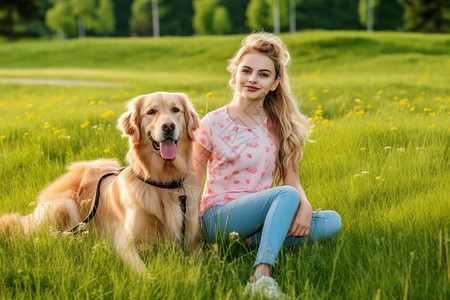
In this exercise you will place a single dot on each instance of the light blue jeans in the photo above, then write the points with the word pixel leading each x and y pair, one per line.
pixel 266 217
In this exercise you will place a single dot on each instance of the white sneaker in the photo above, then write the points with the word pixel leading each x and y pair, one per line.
pixel 265 286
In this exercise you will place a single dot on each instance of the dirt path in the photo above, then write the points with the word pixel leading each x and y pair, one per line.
pixel 58 81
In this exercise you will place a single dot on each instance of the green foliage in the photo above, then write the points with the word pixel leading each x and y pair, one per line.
pixel 83 7
pixel 176 17
pixel 141 19
pixel 257 14
pixel 15 13
pixel 426 16
pixel 203 15
pixel 60 19
pixel 97 16
pixel 362 10
pixel 379 104
pixel 104 21
pixel 221 21
pixel 260 14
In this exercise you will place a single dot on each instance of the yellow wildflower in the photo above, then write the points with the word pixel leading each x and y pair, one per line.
pixel 107 114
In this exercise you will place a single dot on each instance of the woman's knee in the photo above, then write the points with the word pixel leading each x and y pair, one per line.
pixel 332 222
pixel 289 194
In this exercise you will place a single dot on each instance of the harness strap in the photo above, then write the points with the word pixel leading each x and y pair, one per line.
pixel 76 229
pixel 171 185
pixel 182 200
pixel 176 184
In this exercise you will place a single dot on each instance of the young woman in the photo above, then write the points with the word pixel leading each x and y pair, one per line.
pixel 250 145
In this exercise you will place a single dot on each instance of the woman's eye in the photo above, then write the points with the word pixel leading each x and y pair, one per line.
pixel 264 75
pixel 151 112
pixel 175 109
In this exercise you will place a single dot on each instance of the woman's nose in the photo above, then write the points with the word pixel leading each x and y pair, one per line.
pixel 252 78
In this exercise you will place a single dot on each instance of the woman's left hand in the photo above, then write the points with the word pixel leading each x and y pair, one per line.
pixel 301 222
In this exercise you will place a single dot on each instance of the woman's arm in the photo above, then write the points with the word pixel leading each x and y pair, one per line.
pixel 301 222
pixel 201 157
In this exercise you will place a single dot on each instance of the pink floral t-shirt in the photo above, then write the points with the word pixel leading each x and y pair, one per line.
pixel 242 159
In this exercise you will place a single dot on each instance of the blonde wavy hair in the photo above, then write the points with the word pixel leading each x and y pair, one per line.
pixel 286 123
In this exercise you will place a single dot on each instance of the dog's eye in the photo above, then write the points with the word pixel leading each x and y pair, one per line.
pixel 151 112
pixel 175 109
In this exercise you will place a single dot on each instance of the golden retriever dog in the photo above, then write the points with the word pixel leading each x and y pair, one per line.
pixel 137 205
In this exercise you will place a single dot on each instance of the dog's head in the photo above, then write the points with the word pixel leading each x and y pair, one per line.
pixel 161 120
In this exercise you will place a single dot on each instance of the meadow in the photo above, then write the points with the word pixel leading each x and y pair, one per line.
pixel 379 156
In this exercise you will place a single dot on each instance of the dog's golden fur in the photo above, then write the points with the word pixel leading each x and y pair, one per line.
pixel 132 212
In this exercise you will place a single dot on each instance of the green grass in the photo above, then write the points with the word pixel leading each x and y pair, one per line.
pixel 380 105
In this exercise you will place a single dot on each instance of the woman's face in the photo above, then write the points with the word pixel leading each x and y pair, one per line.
pixel 254 77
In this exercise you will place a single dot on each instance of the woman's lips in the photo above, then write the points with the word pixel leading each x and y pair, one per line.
pixel 251 88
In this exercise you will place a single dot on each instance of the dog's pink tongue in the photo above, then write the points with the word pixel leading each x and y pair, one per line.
pixel 168 149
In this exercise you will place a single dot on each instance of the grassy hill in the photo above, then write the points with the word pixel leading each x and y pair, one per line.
pixel 380 106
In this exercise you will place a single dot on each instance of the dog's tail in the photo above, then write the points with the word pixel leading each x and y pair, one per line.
pixel 61 213
pixel 62 202
pixel 11 224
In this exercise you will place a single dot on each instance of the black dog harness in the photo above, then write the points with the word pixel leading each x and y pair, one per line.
pixel 173 185
pixel 177 184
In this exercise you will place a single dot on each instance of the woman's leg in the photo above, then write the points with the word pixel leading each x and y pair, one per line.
pixel 270 212
pixel 324 225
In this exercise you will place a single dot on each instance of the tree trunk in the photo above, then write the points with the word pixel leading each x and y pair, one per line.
pixel 155 17
pixel 10 25
pixel 370 9
pixel 276 16
pixel 81 27
pixel 292 17
pixel 437 19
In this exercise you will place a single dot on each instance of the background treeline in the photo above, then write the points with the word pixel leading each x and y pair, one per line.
pixel 71 18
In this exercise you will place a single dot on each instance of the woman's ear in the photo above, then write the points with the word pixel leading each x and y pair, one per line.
pixel 233 77
pixel 275 84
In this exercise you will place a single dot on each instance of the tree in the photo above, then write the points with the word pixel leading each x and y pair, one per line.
pixel 221 21
pixel 268 13
pixel 426 15
pixel 257 14
pixel 145 17
pixel 97 16
pixel 104 21
pixel 84 10
pixel 141 20
pixel 203 15
pixel 339 14
pixel 237 14
pixel 176 17
pixel 122 15
pixel 366 11
pixel 61 19
pixel 13 12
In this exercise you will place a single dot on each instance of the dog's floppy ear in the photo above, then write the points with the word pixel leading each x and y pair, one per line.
pixel 129 121
pixel 191 117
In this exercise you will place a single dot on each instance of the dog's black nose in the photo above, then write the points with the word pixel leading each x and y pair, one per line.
pixel 168 126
